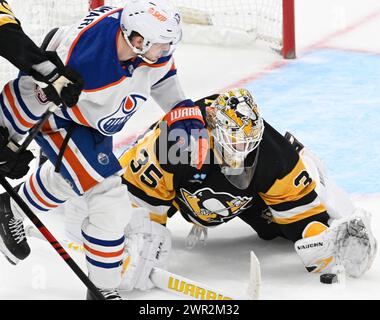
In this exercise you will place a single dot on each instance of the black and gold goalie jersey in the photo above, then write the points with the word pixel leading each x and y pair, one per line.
pixel 206 197
pixel 15 45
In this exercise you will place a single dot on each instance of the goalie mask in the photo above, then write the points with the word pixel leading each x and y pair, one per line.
pixel 157 21
pixel 237 128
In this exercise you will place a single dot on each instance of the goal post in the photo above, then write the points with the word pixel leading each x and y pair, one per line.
pixel 218 22
pixel 288 27
pixel 235 22
pixel 95 3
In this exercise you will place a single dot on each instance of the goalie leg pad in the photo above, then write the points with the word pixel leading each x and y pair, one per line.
pixel 148 245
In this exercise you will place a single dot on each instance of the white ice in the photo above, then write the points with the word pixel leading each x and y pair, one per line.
pixel 224 262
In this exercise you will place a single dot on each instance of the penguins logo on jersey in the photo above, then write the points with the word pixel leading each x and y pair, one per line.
pixel 211 206
pixel 116 121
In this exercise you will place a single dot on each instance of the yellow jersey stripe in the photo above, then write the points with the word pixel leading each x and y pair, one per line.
pixel 7 19
pixel 312 212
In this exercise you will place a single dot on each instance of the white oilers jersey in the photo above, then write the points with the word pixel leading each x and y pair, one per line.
pixel 113 90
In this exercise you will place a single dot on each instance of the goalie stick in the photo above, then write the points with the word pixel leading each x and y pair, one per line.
pixel 180 285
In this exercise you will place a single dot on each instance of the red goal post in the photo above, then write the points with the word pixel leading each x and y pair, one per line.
pixel 288 27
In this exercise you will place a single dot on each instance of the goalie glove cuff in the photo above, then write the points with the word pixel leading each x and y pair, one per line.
pixel 184 113
pixel 188 119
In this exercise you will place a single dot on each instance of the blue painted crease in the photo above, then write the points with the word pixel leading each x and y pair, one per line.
pixel 330 100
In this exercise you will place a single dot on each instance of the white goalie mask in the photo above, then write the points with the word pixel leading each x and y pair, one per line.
pixel 157 21
pixel 237 127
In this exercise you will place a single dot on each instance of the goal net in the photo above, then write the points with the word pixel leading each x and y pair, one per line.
pixel 217 22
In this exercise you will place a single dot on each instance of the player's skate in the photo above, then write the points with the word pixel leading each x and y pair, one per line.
pixel 13 242
pixel 108 295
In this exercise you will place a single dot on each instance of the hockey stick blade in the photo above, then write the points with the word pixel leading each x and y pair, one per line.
pixel 163 279
pixel 254 285
pixel 188 288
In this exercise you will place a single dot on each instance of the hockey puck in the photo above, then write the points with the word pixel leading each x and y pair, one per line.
pixel 328 278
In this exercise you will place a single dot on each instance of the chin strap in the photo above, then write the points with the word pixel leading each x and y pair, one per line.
pixel 139 52
pixel 146 59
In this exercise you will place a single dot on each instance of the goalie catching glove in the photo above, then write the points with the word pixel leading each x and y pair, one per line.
pixel 348 242
pixel 187 119
pixel 148 245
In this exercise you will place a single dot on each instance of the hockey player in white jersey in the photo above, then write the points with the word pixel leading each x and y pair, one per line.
pixel 124 56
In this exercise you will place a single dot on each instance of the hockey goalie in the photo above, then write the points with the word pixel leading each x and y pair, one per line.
pixel 252 172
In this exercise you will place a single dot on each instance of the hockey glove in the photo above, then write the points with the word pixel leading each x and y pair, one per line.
pixel 12 165
pixel 187 119
pixel 61 84
pixel 348 241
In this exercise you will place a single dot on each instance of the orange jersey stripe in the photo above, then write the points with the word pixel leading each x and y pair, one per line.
pixel 34 190
pixel 9 96
pixel 80 116
pixel 103 254
pixel 110 84
pixel 145 64
pixel 107 86
pixel 86 181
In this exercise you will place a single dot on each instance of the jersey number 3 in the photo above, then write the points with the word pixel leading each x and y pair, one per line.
pixel 303 178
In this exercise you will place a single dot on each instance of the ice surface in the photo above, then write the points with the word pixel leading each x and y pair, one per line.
pixel 336 45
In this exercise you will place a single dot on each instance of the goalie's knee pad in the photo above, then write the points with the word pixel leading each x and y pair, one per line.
pixel 348 242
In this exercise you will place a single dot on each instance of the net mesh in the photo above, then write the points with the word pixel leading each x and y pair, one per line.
pixel 206 21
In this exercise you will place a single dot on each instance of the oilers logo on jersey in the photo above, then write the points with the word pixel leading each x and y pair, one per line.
pixel 40 95
pixel 211 206
pixel 113 123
